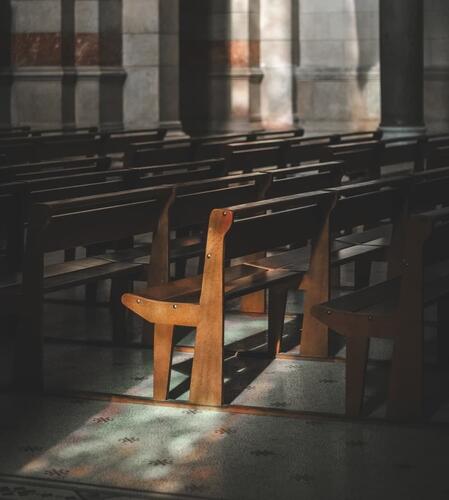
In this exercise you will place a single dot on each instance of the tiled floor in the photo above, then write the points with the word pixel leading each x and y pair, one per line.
pixel 77 449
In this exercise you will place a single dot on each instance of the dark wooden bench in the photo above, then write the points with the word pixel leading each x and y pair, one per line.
pixel 394 309
pixel 53 168
pixel 67 224
pixel 194 148
pixel 366 209
pixel 31 191
pixel 196 199
pixel 288 152
pixel 34 149
pixel 199 301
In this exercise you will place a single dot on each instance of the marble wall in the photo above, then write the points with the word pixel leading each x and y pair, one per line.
pixel 216 64
pixel 337 80
pixel 80 62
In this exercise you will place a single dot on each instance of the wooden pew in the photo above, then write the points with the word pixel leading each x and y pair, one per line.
pixel 199 301
pixel 364 209
pixel 62 131
pixel 394 309
pixel 193 148
pixel 119 141
pixel 27 193
pixel 34 149
pixel 287 152
pixel 53 168
pixel 67 224
pixel 196 199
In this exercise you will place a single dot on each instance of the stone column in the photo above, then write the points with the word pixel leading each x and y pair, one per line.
pixel 141 63
pixel 402 66
pixel 220 72
pixel 276 60
pixel 169 67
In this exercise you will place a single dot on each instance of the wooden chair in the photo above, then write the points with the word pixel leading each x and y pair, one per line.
pixel 199 301
pixel 394 309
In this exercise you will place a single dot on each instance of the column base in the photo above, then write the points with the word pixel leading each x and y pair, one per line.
pixel 174 129
pixel 393 132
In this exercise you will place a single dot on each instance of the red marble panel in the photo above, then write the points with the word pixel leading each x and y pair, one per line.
pixel 222 53
pixel 87 49
pixel 36 49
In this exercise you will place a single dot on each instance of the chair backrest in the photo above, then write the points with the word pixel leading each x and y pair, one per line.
pixel 369 208
pixel 195 200
pixel 429 192
pixel 269 224
pixel 247 156
pixel 283 185
pixel 362 159
pixel 54 168
pixel 94 219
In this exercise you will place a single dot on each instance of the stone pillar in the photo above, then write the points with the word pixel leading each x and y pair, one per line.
pixel 169 73
pixel 141 62
pixel 402 66
pixel 220 73
pixel 276 60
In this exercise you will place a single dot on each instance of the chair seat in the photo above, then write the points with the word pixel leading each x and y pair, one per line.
pixel 70 274
pixel 298 259
pixel 239 280
pixel 377 299
pixel 185 247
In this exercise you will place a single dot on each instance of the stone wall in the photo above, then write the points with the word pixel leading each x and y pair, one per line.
pixel 219 64
pixel 80 62
pixel 338 78
pixel 338 84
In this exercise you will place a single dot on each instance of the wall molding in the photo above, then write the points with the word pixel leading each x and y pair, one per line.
pixel 304 73
pixel 49 73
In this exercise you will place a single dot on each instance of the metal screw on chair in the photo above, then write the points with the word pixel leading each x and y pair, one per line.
pixel 175 306
pixel 139 301
pixel 209 255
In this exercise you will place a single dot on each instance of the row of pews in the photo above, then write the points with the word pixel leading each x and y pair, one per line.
pixel 262 213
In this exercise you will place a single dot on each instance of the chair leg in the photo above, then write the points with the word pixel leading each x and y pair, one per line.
pixel 162 358
pixel 253 303
pixel 206 387
pixel 120 335
pixel 362 273
pixel 443 332
pixel 356 360
pixel 277 301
